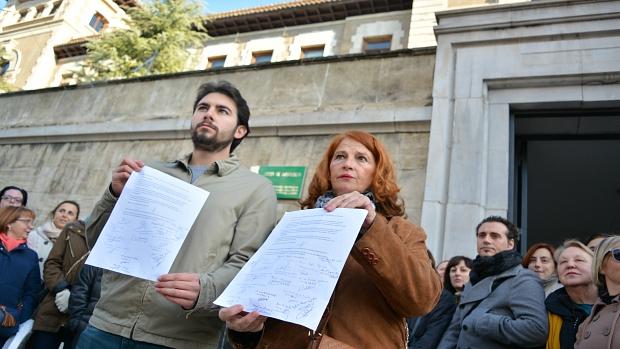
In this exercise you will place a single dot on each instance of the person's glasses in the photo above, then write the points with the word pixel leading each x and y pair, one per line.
pixel 27 221
pixel 615 252
pixel 13 199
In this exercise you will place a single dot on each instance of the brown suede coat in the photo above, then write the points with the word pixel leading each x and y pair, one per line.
pixel 387 277
pixel 68 250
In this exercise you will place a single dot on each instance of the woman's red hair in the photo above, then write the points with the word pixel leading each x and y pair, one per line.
pixel 383 185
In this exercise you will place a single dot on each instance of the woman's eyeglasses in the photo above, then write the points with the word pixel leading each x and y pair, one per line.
pixel 27 221
pixel 12 199
pixel 615 252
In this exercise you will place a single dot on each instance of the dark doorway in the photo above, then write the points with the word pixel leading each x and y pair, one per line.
pixel 566 175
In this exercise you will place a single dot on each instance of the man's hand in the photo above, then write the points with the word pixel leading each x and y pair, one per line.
pixel 121 174
pixel 238 320
pixel 180 288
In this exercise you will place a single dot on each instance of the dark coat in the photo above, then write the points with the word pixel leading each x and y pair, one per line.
pixel 19 284
pixel 84 296
pixel 602 328
pixel 559 303
pixel 426 331
pixel 386 278
pixel 60 271
pixel 506 310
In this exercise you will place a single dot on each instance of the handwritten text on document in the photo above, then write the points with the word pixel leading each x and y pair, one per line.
pixel 292 276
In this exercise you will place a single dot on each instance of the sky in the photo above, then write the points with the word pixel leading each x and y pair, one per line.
pixel 213 6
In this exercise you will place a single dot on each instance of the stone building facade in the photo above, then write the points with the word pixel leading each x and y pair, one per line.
pixel 470 124
pixel 31 29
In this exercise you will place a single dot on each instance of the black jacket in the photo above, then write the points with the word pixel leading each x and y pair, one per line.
pixel 426 331
pixel 84 296
pixel 559 303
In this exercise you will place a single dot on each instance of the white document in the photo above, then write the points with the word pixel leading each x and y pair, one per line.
pixel 292 276
pixel 148 225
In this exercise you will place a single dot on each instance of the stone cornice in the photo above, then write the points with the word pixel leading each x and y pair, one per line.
pixel 524 14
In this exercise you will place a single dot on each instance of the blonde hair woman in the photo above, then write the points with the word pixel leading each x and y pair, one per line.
pixel 567 307
pixel 602 328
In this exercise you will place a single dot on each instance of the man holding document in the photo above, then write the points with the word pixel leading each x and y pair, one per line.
pixel 177 311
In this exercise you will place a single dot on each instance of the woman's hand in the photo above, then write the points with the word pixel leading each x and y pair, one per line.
pixel 354 199
pixel 238 320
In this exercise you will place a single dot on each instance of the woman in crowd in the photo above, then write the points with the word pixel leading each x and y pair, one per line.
pixel 388 275
pixel 427 331
pixel 568 306
pixel 42 239
pixel 19 270
pixel 458 275
pixel 539 259
pixel 13 196
pixel 60 273
pixel 602 328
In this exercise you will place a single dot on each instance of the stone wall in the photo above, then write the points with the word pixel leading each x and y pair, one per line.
pixel 63 143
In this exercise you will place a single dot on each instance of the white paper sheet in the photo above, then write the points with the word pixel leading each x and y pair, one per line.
pixel 148 225
pixel 292 276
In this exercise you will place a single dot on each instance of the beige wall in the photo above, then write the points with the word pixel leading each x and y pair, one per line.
pixel 63 143
pixel 30 49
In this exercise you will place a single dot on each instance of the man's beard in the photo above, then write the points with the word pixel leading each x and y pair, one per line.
pixel 210 144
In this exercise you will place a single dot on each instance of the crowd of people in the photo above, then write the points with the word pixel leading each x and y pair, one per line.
pixel 389 294
pixel 39 270
pixel 571 276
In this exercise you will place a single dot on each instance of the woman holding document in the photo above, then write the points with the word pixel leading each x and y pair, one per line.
pixel 388 275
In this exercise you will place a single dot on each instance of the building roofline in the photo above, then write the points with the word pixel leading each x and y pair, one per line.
pixel 296 13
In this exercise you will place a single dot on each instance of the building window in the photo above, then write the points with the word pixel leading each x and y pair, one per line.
pixel 98 22
pixel 56 6
pixel 312 51
pixel 4 67
pixel 377 44
pixel 216 62
pixel 261 57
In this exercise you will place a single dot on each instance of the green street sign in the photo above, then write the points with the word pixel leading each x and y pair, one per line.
pixel 288 181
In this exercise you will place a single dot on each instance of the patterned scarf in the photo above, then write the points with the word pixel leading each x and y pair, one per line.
pixel 322 200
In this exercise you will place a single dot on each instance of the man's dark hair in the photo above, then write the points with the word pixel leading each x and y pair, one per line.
pixel 596 236
pixel 513 231
pixel 227 89
pixel 24 193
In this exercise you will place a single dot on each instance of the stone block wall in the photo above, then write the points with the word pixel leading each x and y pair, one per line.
pixel 63 143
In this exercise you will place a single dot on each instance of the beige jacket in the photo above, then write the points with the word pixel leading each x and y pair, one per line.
pixel 237 217
pixel 601 330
